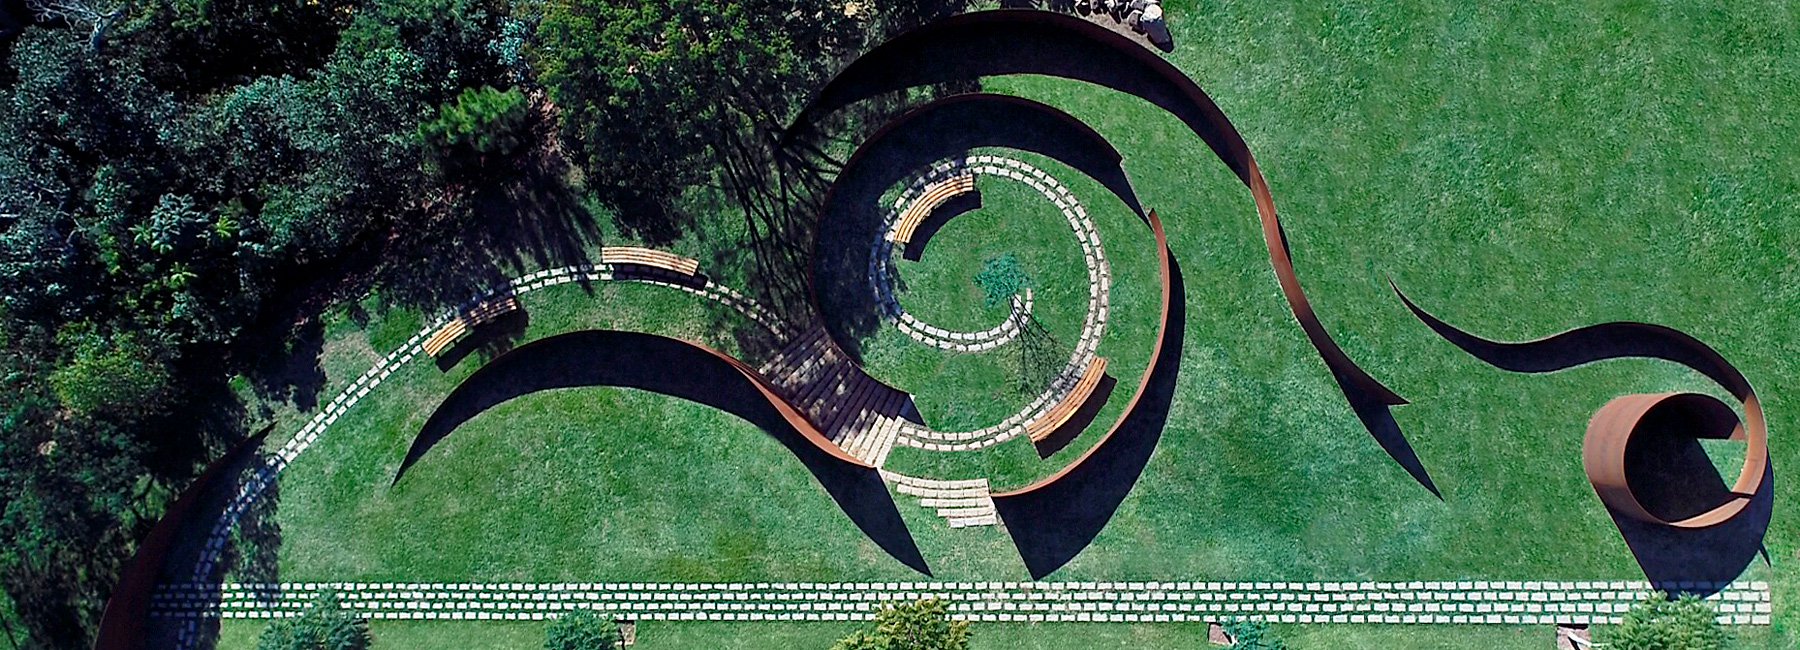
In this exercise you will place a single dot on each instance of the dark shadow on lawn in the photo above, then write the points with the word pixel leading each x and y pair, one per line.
pixel 492 339
pixel 1053 524
pixel 1700 561
pixel 172 550
pixel 946 128
pixel 1673 478
pixel 1069 431
pixel 1666 467
pixel 668 367
pixel 1378 417
pixel 1024 41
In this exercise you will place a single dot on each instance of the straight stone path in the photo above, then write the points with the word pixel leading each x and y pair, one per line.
pixel 1403 603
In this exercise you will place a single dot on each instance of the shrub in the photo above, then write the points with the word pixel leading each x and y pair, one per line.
pixel 1000 279
pixel 1252 635
pixel 479 122
pixel 582 630
pixel 324 626
pixel 1658 623
pixel 923 625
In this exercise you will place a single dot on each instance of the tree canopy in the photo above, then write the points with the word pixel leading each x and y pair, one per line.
pixel 187 185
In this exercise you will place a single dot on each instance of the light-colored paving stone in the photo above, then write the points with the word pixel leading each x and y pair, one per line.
pixel 1063 601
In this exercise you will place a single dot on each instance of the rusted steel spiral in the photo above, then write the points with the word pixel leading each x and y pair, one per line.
pixel 1623 421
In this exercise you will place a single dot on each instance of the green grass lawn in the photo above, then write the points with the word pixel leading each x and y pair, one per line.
pixel 1520 170
pixel 958 391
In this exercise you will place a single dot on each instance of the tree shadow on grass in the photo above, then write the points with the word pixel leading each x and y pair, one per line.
pixel 668 367
pixel 1053 524
pixel 524 216
pixel 947 128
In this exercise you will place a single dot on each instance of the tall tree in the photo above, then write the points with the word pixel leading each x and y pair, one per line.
pixel 657 96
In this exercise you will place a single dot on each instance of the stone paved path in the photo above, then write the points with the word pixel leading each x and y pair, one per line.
pixel 1406 603
pixel 962 503
pixel 208 564
pixel 882 274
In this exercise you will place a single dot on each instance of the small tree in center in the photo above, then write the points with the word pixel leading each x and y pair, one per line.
pixel 1000 279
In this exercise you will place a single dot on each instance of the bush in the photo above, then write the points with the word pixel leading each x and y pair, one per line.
pixel 1252 635
pixel 582 630
pixel 924 625
pixel 1658 623
pixel 324 626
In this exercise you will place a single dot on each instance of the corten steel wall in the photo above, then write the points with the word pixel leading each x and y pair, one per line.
pixel 1611 430
pixel 123 623
pixel 1165 273
pixel 894 65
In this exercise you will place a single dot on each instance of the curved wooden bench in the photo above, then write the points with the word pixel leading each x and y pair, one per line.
pixel 649 257
pixel 481 314
pixel 922 207
pixel 1059 415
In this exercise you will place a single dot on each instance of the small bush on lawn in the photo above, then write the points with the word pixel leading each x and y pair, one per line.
pixel 924 625
pixel 1252 635
pixel 1658 623
pixel 326 625
pixel 582 630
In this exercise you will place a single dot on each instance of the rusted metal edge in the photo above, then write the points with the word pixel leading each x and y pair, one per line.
pixel 1610 431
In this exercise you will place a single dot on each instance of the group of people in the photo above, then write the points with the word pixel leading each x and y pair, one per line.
pixel 1143 16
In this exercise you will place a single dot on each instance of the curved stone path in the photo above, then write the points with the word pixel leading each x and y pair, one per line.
pixel 266 474
pixel 882 274
pixel 1404 603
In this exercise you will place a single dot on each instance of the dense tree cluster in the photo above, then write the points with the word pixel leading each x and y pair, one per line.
pixel 186 184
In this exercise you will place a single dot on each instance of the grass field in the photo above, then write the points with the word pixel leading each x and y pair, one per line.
pixel 1519 170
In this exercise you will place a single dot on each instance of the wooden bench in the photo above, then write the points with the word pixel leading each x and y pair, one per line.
pixel 649 257
pixel 1059 414
pixel 480 315
pixel 922 207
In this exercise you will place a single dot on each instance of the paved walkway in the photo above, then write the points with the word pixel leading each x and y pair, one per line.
pixel 1404 603
pixel 881 278
pixel 207 566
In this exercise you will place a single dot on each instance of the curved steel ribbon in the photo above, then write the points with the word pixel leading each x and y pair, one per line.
pixel 1610 432
pixel 1002 41
pixel 124 621
pixel 1165 272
